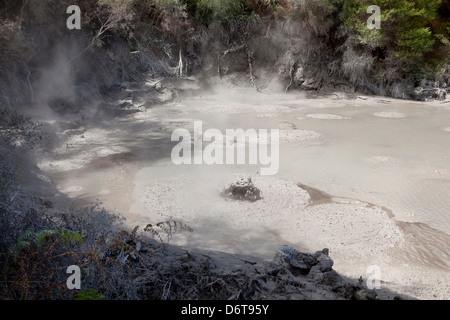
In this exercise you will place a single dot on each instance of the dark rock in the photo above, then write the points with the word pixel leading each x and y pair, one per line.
pixel 317 269
pixel 296 262
pixel 273 272
pixel 324 262
pixel 315 274
pixel 428 94
pixel 299 263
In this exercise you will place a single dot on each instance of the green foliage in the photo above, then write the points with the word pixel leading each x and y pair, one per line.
pixel 413 44
pixel 405 26
pixel 90 294
pixel 31 238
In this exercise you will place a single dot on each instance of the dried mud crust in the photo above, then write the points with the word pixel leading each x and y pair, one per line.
pixel 198 196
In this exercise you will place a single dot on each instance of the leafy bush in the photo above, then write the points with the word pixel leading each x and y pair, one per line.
pixel 405 31
pixel 39 239
pixel 412 44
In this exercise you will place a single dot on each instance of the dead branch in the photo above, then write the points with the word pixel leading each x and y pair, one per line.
pixel 25 3
pixel 235 49
pixel 166 290
pixel 291 75
pixel 179 69
pixel 30 86
pixel 218 65
pixel 114 19
pixel 249 58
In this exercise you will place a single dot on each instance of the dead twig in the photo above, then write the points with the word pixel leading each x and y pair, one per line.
pixel 235 49
pixel 249 59
pixel 291 75
pixel 166 290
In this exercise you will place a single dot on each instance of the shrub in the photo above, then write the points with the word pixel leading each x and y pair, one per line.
pixel 412 44
pixel 405 27
pixel 90 294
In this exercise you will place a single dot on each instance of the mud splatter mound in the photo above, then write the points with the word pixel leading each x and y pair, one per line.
pixel 391 115
pixel 242 190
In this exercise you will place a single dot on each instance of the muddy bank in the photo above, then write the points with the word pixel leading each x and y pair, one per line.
pixel 192 274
